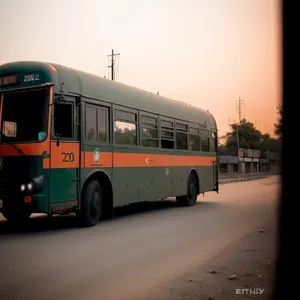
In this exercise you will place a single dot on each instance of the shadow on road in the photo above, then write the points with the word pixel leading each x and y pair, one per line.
pixel 44 223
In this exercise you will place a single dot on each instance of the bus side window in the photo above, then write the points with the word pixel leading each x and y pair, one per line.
pixel 103 129
pixel 194 139
pixel 181 136
pixel 167 134
pixel 90 124
pixel 149 131
pixel 205 144
pixel 213 140
pixel 63 120
pixel 204 134
pixel 125 128
pixel 96 124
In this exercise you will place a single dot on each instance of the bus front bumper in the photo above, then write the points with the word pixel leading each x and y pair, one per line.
pixel 37 203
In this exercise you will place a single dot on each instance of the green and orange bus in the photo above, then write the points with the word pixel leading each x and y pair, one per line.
pixel 73 142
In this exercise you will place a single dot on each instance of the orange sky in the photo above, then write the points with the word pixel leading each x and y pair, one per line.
pixel 205 52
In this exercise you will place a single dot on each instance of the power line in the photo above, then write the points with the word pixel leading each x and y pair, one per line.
pixel 112 66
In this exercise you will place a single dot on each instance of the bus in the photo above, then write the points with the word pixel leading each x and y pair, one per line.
pixel 73 142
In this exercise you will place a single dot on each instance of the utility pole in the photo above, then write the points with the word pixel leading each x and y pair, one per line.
pixel 237 137
pixel 112 66
pixel 239 107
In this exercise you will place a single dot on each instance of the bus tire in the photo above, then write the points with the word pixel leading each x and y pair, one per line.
pixel 91 207
pixel 190 198
pixel 16 216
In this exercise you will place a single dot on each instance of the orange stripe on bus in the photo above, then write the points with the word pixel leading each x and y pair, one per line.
pixel 157 160
pixel 28 149
pixel 108 159
pixel 66 155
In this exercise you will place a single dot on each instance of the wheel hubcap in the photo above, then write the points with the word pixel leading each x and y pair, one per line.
pixel 191 188
pixel 95 204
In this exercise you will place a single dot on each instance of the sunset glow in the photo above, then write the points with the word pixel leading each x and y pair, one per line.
pixel 204 52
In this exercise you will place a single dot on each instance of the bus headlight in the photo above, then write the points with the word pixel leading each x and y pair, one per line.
pixel 34 184
pixel 30 186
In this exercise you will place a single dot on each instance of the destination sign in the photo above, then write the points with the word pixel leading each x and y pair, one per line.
pixel 32 77
pixel 9 80
pixel 14 79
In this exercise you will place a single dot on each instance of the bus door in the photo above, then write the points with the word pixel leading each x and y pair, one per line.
pixel 65 155
pixel 96 134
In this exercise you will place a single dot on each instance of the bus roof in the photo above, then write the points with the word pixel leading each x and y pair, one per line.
pixel 92 86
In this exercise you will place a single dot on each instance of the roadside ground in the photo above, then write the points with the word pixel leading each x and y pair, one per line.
pixel 243 270
pixel 235 177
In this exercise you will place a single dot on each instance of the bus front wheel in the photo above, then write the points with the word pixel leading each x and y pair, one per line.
pixel 190 198
pixel 91 206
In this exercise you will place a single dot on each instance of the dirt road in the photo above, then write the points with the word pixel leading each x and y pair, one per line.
pixel 147 252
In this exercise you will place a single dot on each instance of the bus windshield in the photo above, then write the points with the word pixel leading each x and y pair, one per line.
pixel 24 116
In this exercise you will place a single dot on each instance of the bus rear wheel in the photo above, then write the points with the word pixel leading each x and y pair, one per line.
pixel 91 207
pixel 16 216
pixel 190 198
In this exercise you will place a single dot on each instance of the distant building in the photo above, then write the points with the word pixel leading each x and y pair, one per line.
pixel 250 161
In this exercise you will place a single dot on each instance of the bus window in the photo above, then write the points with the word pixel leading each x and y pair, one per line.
pixel 204 132
pixel 194 139
pixel 125 116
pixel 148 120
pixel 102 114
pixel 90 124
pixel 205 144
pixel 167 134
pixel 125 129
pixel 20 123
pixel 166 124
pixel 63 120
pixel 149 132
pixel 167 144
pixel 150 143
pixel 213 142
pixel 181 136
pixel 96 124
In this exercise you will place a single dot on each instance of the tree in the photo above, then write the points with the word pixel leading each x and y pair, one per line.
pixel 223 150
pixel 278 124
pixel 249 138
pixel 268 144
